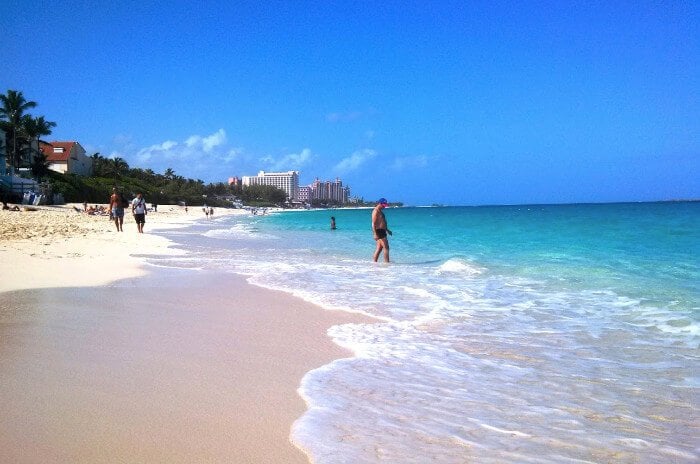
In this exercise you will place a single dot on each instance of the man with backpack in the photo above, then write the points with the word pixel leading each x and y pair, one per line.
pixel 138 207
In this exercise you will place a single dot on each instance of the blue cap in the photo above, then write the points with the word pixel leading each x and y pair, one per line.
pixel 382 201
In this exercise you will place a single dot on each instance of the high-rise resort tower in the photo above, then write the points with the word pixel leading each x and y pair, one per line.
pixel 287 181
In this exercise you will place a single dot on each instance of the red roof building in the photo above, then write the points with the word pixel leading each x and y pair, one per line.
pixel 67 157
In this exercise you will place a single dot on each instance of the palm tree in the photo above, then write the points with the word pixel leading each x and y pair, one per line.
pixel 117 167
pixel 34 129
pixel 169 174
pixel 40 166
pixel 99 165
pixel 12 108
pixel 37 127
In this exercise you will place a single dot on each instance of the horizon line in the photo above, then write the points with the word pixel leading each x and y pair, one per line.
pixel 624 202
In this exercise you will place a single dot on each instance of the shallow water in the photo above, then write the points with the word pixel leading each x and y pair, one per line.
pixel 506 334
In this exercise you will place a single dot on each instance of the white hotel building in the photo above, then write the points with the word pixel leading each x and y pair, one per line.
pixel 287 181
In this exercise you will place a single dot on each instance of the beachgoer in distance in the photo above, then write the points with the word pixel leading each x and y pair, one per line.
pixel 332 222
pixel 380 230
pixel 138 207
pixel 9 208
pixel 116 209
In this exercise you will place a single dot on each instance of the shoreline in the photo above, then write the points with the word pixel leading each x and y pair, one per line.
pixel 105 358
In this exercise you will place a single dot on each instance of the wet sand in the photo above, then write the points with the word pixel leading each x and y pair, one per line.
pixel 177 367
pixel 106 359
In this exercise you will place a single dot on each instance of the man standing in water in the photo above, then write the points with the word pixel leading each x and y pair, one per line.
pixel 380 230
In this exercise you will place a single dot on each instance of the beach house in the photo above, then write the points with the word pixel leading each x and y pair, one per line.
pixel 67 158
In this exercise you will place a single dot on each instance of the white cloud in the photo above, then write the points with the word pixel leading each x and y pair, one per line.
pixel 211 156
pixel 405 162
pixel 162 149
pixel 193 140
pixel 292 161
pixel 195 147
pixel 233 154
pixel 207 143
pixel 216 139
pixel 354 161
pixel 167 145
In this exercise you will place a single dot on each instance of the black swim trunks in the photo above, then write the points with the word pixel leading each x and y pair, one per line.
pixel 140 218
pixel 381 233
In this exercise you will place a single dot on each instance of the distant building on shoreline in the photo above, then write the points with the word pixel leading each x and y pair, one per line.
pixel 328 191
pixel 305 194
pixel 287 181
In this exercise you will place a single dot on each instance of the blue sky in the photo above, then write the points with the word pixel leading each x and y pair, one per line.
pixel 425 102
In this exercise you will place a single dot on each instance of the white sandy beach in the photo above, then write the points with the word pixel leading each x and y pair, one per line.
pixel 56 246
pixel 102 361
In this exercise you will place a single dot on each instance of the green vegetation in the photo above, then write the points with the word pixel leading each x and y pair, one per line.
pixel 167 188
pixel 260 195
pixel 23 132
pixel 364 203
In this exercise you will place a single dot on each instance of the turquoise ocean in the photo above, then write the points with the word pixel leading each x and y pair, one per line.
pixel 510 334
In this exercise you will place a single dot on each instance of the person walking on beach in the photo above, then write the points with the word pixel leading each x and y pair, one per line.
pixel 380 230
pixel 138 208
pixel 116 209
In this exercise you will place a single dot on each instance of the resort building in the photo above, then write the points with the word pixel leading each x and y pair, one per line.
pixel 67 158
pixel 287 181
pixel 304 194
pixel 329 191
